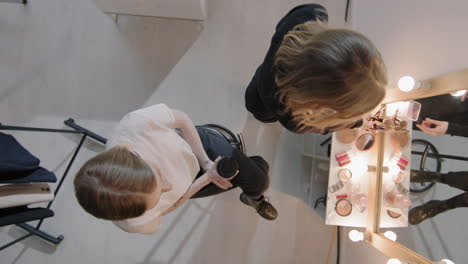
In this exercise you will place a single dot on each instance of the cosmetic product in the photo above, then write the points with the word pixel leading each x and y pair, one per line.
pixel 342 196
pixel 403 124
pixel 346 136
pixel 393 214
pixel 388 123
pixel 344 158
pixel 401 188
pixel 402 163
pixel 360 201
pixel 396 200
pixel 336 187
pixel 365 142
pixel 343 207
pixel 227 167
pixel 399 140
pixel 345 175
pixel 398 177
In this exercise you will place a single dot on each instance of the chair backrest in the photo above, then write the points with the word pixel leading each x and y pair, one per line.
pixel 236 140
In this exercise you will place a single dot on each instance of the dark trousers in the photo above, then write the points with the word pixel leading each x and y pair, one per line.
pixel 253 176
pixel 457 180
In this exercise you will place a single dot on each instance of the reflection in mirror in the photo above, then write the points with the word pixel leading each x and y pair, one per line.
pixel 438 176
pixel 365 142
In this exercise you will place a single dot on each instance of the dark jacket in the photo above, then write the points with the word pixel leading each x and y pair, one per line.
pixel 261 95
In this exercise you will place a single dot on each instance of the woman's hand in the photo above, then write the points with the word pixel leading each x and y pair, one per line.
pixel 433 127
pixel 214 177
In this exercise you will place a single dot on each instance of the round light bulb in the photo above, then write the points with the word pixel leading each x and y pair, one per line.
pixel 358 166
pixel 393 168
pixel 393 261
pixel 406 83
pixel 446 261
pixel 458 93
pixel 356 236
pixel 390 235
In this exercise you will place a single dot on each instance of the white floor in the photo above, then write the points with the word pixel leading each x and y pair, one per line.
pixel 61 59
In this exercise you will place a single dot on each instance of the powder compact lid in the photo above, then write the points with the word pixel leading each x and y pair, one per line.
pixel 345 174
pixel 346 136
pixel 343 207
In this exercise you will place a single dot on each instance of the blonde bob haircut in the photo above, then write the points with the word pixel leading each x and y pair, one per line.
pixel 328 77
pixel 114 185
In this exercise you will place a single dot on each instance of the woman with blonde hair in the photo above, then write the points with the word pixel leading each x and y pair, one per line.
pixel 315 79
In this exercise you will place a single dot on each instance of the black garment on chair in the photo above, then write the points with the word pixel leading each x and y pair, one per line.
pixel 17 165
pixel 38 175
pixel 21 214
pixel 14 157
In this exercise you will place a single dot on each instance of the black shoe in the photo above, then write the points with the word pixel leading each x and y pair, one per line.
pixel 263 207
pixel 427 210
pixel 425 176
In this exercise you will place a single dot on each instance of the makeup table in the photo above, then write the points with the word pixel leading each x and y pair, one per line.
pixel 354 157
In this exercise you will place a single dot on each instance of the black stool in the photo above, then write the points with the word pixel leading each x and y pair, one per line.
pixel 236 140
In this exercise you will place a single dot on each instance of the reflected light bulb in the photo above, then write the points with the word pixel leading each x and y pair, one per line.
pixel 390 235
pixel 446 261
pixel 406 83
pixel 356 236
pixel 393 168
pixel 358 166
pixel 393 261
pixel 458 93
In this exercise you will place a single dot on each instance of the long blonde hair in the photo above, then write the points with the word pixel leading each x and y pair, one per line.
pixel 328 77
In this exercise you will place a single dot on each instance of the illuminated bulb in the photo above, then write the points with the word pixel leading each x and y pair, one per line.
pixel 393 261
pixel 356 236
pixel 446 261
pixel 358 166
pixel 390 235
pixel 458 93
pixel 406 83
pixel 393 168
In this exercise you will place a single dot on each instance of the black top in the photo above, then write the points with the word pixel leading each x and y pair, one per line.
pixel 446 108
pixel 455 129
pixel 265 81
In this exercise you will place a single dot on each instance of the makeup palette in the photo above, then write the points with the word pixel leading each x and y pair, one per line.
pixel 346 136
pixel 343 207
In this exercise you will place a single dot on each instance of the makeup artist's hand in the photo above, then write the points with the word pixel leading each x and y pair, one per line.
pixel 214 177
pixel 433 127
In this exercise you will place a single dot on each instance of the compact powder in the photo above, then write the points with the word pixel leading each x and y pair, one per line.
pixel 403 124
pixel 388 124
pixel 399 140
pixel 346 136
pixel 343 207
pixel 345 174
pixel 393 214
